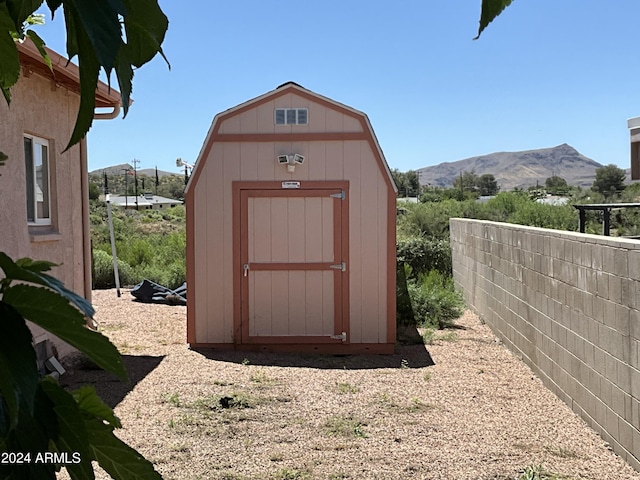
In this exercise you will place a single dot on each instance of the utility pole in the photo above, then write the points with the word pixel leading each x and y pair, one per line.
pixel 126 187
pixel 135 176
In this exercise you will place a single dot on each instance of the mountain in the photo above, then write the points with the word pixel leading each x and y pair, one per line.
pixel 518 169
pixel 119 170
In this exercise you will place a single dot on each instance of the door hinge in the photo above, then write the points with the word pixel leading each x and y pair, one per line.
pixel 339 266
pixel 342 336
pixel 342 195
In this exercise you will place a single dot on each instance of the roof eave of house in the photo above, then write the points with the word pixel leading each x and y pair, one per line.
pixel 65 73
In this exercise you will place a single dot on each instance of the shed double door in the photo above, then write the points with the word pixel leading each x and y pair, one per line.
pixel 293 270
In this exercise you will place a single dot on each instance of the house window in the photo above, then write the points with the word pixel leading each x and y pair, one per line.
pixel 291 116
pixel 36 161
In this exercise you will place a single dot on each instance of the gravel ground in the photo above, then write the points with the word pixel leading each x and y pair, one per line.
pixel 462 408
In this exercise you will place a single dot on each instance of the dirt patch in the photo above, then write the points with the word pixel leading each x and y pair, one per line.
pixel 461 408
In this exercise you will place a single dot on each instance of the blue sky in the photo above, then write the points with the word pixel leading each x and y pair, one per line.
pixel 546 72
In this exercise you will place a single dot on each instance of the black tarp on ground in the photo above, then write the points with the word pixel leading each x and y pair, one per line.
pixel 150 292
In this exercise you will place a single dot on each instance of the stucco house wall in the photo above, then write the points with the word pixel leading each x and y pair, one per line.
pixel 47 108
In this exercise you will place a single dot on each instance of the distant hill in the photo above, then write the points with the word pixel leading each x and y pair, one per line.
pixel 119 170
pixel 518 169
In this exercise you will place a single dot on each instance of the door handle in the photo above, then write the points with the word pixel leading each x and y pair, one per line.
pixel 246 269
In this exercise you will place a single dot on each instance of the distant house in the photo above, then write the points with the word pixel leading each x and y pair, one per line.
pixel 555 200
pixel 146 201
pixel 45 199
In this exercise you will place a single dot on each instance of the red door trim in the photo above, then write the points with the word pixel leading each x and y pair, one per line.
pixel 240 192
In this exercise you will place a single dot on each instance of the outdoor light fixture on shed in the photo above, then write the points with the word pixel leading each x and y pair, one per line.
pixel 182 163
pixel 290 161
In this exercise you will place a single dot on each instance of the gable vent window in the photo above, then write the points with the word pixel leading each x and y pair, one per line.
pixel 292 116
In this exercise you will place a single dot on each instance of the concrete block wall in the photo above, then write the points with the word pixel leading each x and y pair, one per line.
pixel 569 305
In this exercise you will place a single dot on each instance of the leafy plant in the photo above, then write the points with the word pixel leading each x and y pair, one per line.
pixel 436 302
pixel 343 388
pixel 346 427
pixel 120 36
pixel 424 254
pixel 291 474
pixel 36 414
pixel 103 276
pixel 537 472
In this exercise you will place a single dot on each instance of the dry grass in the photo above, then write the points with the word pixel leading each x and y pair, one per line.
pixel 478 413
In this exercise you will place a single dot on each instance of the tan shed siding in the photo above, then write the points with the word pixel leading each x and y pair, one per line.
pixel 317 170
pixel 231 169
pixel 334 161
pixel 254 159
pixel 267 161
pixel 352 172
pixel 213 260
pixel 202 301
pixel 382 238
pixel 372 249
pixel 261 118
pixel 249 161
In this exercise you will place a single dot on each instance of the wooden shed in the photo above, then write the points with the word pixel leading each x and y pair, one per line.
pixel 291 220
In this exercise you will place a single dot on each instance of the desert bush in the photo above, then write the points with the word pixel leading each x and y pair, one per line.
pixel 435 301
pixel 423 254
pixel 429 219
pixel 542 215
pixel 103 276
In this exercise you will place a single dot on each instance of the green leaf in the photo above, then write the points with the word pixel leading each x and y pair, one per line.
pixel 35 265
pixel 39 43
pixel 72 28
pixel 55 314
pixel 116 457
pixel 18 370
pixel 9 59
pixel 490 10
pixel 102 26
pixel 145 26
pixel 30 271
pixel 124 73
pixel 53 6
pixel 33 434
pixel 89 67
pixel 21 10
pixel 90 403
pixel 72 435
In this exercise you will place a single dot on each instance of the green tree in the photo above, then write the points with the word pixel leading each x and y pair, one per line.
pixel 94 191
pixel 36 414
pixel 609 180
pixel 555 182
pixel 112 36
pixel 467 181
pixel 488 185
pixel 408 183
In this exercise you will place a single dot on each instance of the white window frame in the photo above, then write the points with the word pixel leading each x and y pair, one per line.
pixel 291 116
pixel 40 153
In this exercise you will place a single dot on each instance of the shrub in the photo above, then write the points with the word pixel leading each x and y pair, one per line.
pixel 103 276
pixel 429 219
pixel 170 276
pixel 424 254
pixel 546 216
pixel 436 302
